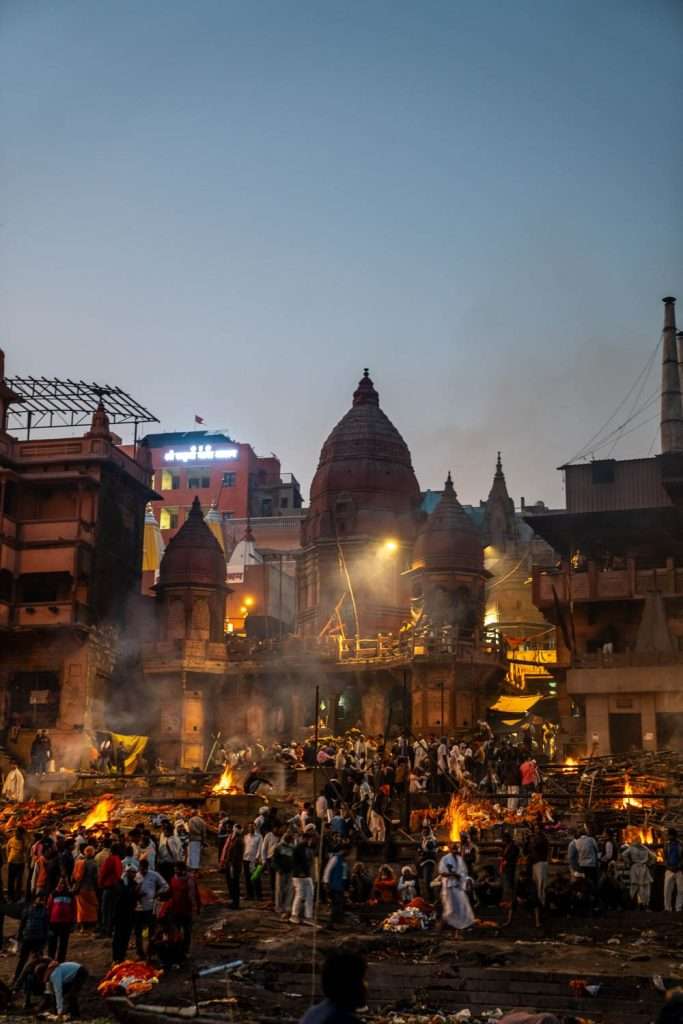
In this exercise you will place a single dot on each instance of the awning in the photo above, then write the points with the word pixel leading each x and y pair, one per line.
pixel 516 705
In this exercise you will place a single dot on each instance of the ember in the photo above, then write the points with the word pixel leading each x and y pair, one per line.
pixel 101 813
pixel 455 818
pixel 226 782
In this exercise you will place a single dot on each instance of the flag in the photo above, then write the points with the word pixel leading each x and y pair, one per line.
pixel 198 419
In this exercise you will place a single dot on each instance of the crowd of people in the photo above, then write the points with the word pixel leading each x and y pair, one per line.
pixel 117 886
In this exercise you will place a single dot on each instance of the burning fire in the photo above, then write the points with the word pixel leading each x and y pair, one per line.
pixel 569 762
pixel 628 798
pixel 101 813
pixel 455 819
pixel 226 783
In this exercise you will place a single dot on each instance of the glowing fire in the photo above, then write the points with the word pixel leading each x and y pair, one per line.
pixel 226 782
pixel 569 762
pixel 628 798
pixel 455 819
pixel 633 832
pixel 101 813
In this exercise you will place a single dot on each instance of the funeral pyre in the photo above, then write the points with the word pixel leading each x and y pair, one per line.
pixel 465 812
pixel 88 813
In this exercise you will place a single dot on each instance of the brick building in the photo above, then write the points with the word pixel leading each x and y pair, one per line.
pixel 71 527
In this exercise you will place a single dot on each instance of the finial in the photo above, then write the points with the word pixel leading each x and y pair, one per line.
pixel 448 486
pixel 196 509
pixel 99 426
pixel 365 393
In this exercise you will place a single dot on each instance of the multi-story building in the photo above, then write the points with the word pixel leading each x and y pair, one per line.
pixel 226 475
pixel 71 528
pixel 616 599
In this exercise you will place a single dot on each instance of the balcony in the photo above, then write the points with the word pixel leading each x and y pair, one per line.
pixel 54 531
pixel 38 615
pixel 595 584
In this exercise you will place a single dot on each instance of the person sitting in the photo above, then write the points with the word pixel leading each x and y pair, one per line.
pixel 385 888
pixel 488 891
pixel 360 886
pixel 407 884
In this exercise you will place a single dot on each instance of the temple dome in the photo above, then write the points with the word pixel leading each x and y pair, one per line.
pixel 365 479
pixel 449 540
pixel 193 555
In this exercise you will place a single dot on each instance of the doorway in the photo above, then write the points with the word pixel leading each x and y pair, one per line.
pixel 625 733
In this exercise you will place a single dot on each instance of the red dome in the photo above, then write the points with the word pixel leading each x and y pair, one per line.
pixel 193 555
pixel 365 483
pixel 449 540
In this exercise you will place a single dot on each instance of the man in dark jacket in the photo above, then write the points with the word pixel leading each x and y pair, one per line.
pixel 32 934
pixel 231 863
pixel 124 911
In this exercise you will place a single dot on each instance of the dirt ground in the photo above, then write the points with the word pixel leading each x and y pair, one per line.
pixel 278 979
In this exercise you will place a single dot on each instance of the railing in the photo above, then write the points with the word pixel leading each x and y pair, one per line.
pixel 50 613
pixel 595 584
pixel 40 530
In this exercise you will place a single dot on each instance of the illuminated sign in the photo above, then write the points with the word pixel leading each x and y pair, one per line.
pixel 200 453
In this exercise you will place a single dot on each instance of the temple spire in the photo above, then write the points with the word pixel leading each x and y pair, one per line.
pixel 671 407
pixel 365 393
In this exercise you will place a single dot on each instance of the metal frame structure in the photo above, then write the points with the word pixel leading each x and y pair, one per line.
pixel 50 403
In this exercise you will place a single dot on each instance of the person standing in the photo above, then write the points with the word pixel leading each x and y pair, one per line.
pixel 170 851
pixel 508 867
pixel 539 848
pixel 336 878
pixel 252 853
pixel 108 878
pixel 32 934
pixel 231 862
pixel 673 874
pixel 428 856
pixel 588 859
pixel 457 912
pixel 85 887
pixel 283 862
pixel 14 784
pixel 150 886
pixel 196 828
pixel 302 878
pixel 61 915
pixel 184 903
pixel 125 901
pixel 638 859
pixel 16 864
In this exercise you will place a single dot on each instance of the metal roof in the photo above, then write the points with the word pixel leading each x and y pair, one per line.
pixel 57 404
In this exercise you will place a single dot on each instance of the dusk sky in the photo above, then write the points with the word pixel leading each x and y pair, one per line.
pixel 229 209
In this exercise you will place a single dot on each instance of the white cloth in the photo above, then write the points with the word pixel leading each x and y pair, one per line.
pixel 457 912
pixel 321 806
pixel 540 876
pixel 637 859
pixel 13 786
pixel 303 898
pixel 252 847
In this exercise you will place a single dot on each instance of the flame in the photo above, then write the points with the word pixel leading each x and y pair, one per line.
pixel 455 819
pixel 101 813
pixel 633 832
pixel 226 782
pixel 569 762
pixel 628 798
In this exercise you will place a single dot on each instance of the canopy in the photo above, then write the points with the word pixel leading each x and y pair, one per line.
pixel 516 705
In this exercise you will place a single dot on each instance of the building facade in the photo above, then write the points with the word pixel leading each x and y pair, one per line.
pixel 71 530
pixel 616 599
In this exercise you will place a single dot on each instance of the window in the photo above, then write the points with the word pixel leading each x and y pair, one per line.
pixel 602 472
pixel 193 483
pixel 166 480
pixel 228 515
pixel 228 479
pixel 34 699
pixel 168 518
pixel 266 506
pixel 206 481
pixel 284 502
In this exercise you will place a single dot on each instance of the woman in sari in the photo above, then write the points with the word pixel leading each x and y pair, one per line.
pixel 85 887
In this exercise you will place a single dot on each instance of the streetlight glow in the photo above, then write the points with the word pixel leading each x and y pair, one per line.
pixel 390 546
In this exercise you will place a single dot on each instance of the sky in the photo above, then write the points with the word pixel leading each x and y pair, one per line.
pixel 229 209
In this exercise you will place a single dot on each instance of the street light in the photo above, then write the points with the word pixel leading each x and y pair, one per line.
pixel 390 546
pixel 249 601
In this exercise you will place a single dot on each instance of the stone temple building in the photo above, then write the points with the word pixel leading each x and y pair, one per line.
pixel 390 626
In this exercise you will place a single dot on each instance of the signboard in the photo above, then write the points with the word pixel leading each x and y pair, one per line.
pixel 200 453
pixel 39 697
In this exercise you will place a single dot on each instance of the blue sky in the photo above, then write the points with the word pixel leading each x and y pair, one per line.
pixel 231 209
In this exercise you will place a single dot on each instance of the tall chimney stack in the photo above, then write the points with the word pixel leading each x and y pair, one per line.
pixel 672 408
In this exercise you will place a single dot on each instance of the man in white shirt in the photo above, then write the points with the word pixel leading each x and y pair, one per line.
pixel 251 859
pixel 150 886
pixel 13 786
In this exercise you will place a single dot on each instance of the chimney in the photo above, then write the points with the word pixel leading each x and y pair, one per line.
pixel 671 410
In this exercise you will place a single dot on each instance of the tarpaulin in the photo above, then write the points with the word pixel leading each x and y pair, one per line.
pixel 133 746
pixel 516 705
